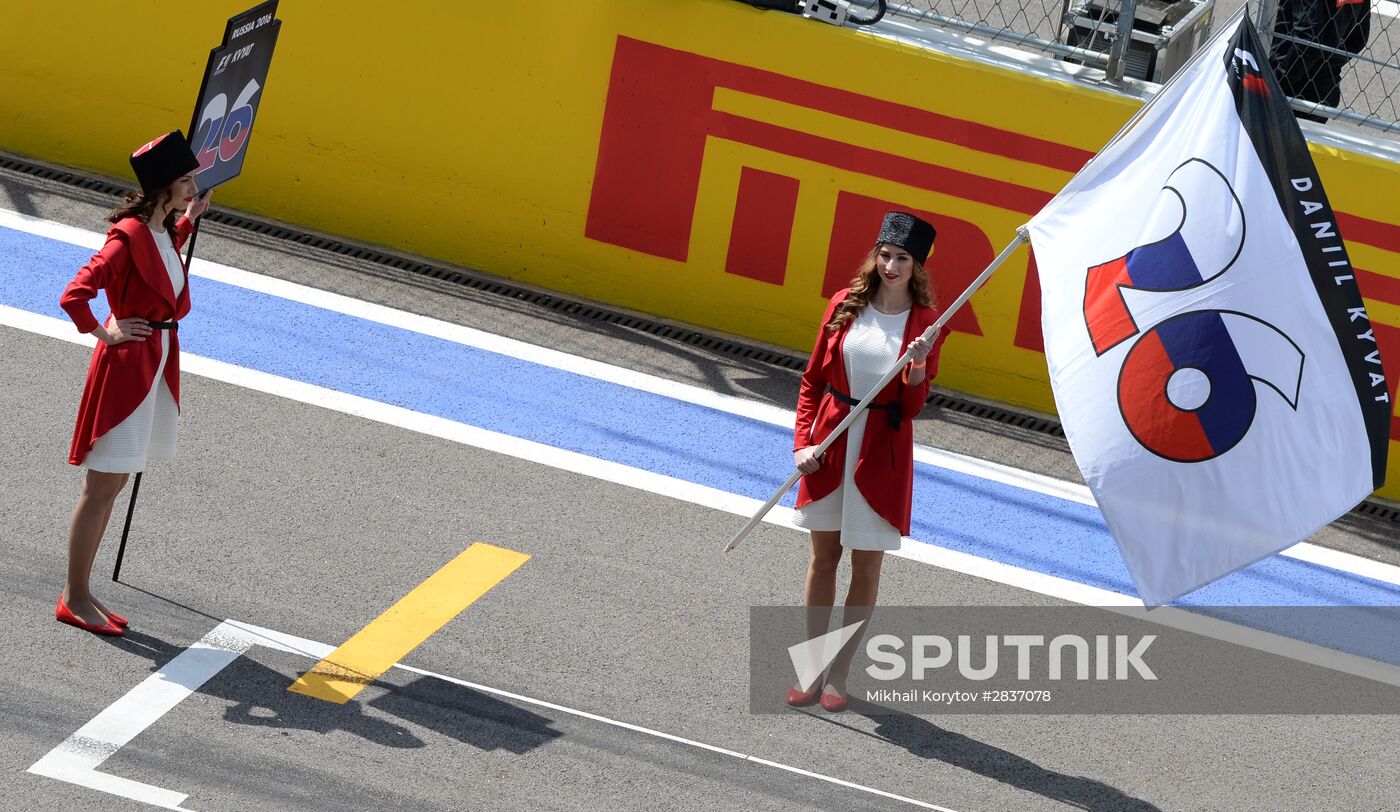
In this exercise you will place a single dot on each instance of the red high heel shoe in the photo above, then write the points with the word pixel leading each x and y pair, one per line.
pixel 798 698
pixel 832 703
pixel 64 615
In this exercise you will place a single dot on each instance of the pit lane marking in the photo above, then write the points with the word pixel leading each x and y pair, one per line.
pixel 401 628
pixel 76 759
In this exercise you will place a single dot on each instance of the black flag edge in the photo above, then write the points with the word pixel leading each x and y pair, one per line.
pixel 1279 143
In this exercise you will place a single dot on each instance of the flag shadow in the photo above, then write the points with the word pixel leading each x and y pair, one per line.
pixel 924 739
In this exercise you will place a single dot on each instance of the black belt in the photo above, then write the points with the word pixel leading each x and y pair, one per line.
pixel 890 409
pixel 164 325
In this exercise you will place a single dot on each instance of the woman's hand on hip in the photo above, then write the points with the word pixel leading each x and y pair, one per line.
pixel 121 331
pixel 807 460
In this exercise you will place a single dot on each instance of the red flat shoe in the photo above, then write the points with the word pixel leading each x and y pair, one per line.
pixel 64 615
pixel 801 699
pixel 832 703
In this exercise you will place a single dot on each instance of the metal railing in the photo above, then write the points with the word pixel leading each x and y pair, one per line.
pixel 1339 63
pixel 1094 32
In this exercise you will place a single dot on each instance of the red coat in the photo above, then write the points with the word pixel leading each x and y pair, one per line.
pixel 885 469
pixel 130 269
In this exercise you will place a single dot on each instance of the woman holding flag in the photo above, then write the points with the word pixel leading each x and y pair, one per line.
pixel 130 404
pixel 861 499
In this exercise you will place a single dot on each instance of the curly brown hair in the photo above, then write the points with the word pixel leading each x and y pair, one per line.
pixel 867 281
pixel 138 205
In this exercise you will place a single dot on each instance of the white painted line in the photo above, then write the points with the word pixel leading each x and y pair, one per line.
pixel 1050 585
pixel 1346 562
pixel 76 759
pixel 1388 8
pixel 545 356
pixel 40 227
pixel 673 738
pixel 1267 642
pixel 1005 474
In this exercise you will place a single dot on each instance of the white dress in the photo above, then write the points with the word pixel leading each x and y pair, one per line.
pixel 871 347
pixel 149 433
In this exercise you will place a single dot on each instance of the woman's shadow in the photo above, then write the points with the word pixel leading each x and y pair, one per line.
pixel 926 740
pixel 258 696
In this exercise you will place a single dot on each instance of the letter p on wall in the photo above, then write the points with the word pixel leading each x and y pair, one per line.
pixel 664 106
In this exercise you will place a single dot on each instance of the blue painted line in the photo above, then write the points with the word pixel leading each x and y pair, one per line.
pixel 613 422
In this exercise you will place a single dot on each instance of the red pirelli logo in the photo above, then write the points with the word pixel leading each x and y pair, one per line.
pixel 660 113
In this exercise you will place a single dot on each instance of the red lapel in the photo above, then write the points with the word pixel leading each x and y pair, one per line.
pixel 835 360
pixel 147 258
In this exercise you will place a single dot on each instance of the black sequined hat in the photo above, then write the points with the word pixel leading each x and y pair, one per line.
pixel 159 163
pixel 908 232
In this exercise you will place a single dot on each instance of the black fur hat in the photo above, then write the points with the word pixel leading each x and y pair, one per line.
pixel 159 163
pixel 908 232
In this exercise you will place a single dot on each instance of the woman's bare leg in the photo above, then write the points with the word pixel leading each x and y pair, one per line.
pixel 106 522
pixel 90 517
pixel 819 591
pixel 860 604
pixel 819 594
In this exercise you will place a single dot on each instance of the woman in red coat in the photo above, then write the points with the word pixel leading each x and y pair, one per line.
pixel 862 501
pixel 131 400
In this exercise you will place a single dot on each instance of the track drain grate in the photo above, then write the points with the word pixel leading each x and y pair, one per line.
pixel 1039 425
pixel 1378 511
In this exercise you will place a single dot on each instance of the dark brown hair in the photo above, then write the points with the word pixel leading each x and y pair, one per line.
pixel 138 205
pixel 867 281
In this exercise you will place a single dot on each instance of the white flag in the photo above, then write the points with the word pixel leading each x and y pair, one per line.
pixel 1211 358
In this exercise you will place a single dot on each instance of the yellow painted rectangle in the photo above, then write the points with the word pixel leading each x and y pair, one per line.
pixel 413 619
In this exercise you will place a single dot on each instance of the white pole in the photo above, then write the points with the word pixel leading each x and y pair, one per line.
pixel 1021 236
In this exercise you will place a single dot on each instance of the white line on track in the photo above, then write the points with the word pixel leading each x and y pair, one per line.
pixel 971 565
pixel 76 759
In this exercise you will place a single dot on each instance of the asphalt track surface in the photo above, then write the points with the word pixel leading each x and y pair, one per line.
pixel 626 622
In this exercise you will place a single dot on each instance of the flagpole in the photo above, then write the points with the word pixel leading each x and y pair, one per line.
pixel 126 528
pixel 1021 236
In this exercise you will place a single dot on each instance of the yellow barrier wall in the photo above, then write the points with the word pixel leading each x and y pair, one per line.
pixel 697 159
